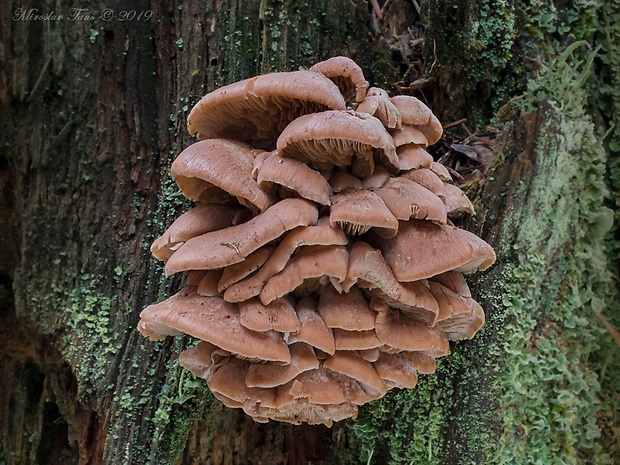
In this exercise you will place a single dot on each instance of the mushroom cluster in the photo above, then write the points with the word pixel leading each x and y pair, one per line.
pixel 323 267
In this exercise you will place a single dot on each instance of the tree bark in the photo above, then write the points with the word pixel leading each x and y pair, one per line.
pixel 94 110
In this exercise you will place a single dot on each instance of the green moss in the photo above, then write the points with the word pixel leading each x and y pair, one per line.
pixel 180 402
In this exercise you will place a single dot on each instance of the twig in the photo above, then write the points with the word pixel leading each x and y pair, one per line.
pixel 377 9
pixel 455 123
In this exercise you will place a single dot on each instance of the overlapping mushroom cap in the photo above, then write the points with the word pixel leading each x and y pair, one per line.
pixel 325 272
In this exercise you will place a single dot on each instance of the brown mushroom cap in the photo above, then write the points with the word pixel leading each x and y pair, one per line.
pixel 370 355
pixel 278 315
pixel 407 199
pixel 339 138
pixel 207 286
pixel 320 234
pixel 235 273
pixel 347 75
pixel 318 387
pixel 368 270
pixel 408 134
pixel 376 179
pixel 396 371
pixel 422 249
pixel 413 111
pixel 395 330
pixel 313 330
pixel 454 281
pixel 441 171
pixel 199 220
pixel 214 320
pixel 203 359
pixel 229 381
pixel 346 310
pixel 459 317
pixel 256 110
pixel 228 246
pixel 270 375
pixel 358 211
pixel 413 156
pixel 425 177
pixel 456 201
pixel 210 170
pixel 422 362
pixel 295 176
pixel 313 262
pixel 350 363
pixel 377 103
pixel 341 181
pixel 356 340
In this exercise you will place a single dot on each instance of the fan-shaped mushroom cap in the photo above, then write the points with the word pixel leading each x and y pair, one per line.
pixel 235 273
pixel 370 355
pixel 422 362
pixel 194 277
pixel 348 310
pixel 456 201
pixel 228 246
pixel 210 170
pixel 256 110
pixel 313 330
pixel 413 156
pixel 408 135
pixel 454 281
pixel 298 411
pixel 358 211
pixel 203 359
pixel 376 179
pixel 339 138
pixel 368 270
pixel 426 178
pixel 394 329
pixel 413 111
pixel 356 340
pixel 295 176
pixel 347 75
pixel 229 380
pixel 213 320
pixel 407 199
pixel 396 371
pixel 318 387
pixel 422 249
pixel 341 181
pixel 433 130
pixel 320 234
pixel 350 363
pixel 278 315
pixel 377 103
pixel 207 286
pixel 459 317
pixel 199 220
pixel 441 171
pixel 313 262
pixel 270 375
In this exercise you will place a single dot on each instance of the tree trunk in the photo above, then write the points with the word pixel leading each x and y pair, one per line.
pixel 94 110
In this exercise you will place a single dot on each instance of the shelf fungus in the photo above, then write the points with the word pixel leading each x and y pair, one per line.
pixel 323 266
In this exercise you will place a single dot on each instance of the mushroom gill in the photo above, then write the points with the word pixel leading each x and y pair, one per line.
pixel 326 272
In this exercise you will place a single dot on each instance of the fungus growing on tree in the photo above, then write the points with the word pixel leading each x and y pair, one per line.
pixel 323 267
